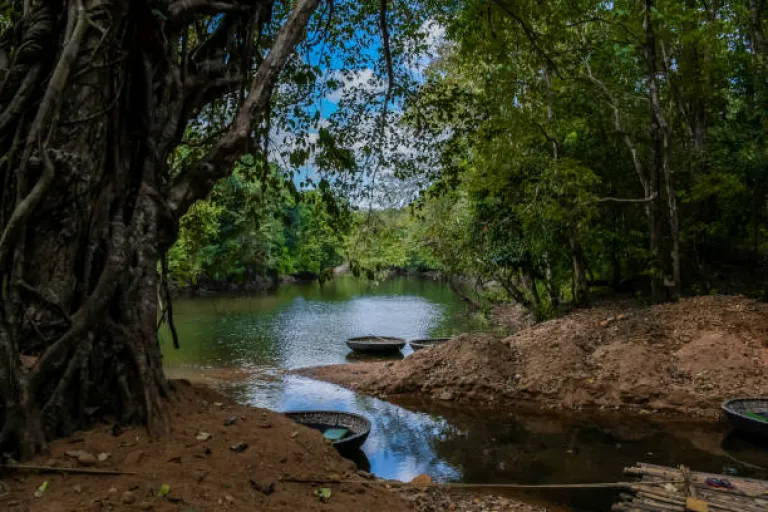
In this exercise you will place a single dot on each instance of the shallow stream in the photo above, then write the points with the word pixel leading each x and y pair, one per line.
pixel 242 345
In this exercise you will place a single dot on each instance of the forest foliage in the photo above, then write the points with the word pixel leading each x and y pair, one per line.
pixel 556 146
pixel 251 227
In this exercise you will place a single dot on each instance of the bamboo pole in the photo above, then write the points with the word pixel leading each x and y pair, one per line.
pixel 742 498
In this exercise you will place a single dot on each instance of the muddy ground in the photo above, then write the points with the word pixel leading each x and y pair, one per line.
pixel 683 358
pixel 203 473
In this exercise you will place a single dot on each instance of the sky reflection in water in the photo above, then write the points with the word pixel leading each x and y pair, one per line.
pixel 304 326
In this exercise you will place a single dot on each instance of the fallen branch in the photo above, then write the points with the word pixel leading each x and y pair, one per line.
pixel 599 485
pixel 52 469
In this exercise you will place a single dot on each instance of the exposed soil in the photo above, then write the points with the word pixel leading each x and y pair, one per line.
pixel 678 358
pixel 207 475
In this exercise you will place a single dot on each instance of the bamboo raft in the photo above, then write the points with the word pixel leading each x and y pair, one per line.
pixel 690 493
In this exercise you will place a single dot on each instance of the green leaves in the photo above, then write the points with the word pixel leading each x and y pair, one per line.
pixel 253 226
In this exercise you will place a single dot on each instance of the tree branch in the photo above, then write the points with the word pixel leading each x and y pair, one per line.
pixel 387 54
pixel 181 9
pixel 622 200
pixel 532 36
pixel 619 127
pixel 196 182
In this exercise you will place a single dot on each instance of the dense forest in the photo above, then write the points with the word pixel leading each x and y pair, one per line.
pixel 562 147
pixel 249 228
pixel 545 147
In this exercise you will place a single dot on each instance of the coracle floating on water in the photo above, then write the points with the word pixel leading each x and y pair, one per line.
pixel 748 414
pixel 347 430
pixel 376 344
pixel 427 342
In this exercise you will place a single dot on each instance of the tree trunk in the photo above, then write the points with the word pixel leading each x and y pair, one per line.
pixel 660 165
pixel 456 288
pixel 91 107
pixel 579 269
pixel 554 293
pixel 529 279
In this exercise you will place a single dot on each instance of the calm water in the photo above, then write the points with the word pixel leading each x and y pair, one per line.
pixel 243 345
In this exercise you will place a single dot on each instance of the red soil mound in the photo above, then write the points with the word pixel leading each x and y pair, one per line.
pixel 685 357
pixel 202 475
pixel 207 475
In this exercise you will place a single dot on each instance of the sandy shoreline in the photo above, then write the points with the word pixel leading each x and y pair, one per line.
pixel 679 359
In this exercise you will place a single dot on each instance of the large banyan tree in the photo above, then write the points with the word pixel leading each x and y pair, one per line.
pixel 95 96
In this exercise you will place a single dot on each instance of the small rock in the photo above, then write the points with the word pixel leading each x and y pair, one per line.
pixel 239 447
pixel 145 505
pixel 265 424
pixel 229 498
pixel 445 395
pixel 113 490
pixel 128 498
pixel 607 322
pixel 203 436
pixel 176 459
pixel 230 421
pixel 365 474
pixel 77 489
pixel 294 434
pixel 104 456
pixel 74 453
pixel 267 489
pixel 86 459
pixel 134 457
pixel 219 405
pixel 422 480
pixel 52 463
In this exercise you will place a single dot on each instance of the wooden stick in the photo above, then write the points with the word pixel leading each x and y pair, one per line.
pixel 601 485
pixel 51 469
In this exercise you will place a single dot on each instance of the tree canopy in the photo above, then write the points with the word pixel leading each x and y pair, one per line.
pixel 541 149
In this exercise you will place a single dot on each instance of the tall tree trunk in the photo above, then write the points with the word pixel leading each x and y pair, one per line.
pixel 91 106
pixel 530 282
pixel 578 265
pixel 579 269
pixel 660 165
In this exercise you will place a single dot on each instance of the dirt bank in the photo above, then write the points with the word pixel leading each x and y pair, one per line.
pixel 679 358
pixel 207 475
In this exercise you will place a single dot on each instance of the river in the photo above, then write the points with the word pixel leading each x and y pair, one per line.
pixel 243 345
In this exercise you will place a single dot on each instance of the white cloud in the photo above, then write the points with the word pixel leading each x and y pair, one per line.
pixel 353 81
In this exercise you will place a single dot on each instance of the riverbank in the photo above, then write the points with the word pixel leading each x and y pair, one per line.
pixel 204 286
pixel 218 456
pixel 679 359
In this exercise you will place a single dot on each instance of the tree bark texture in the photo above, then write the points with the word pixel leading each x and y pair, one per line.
pixel 660 169
pixel 94 98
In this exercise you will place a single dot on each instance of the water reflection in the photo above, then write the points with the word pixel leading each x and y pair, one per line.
pixel 306 325
pixel 243 345
pixel 401 443
pixel 357 357
pixel 546 449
